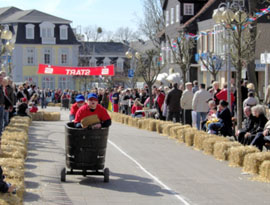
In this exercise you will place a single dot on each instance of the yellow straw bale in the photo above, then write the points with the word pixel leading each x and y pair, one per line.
pixel 145 125
pixel 19 126
pixel 237 154
pixel 189 136
pixel 51 104
pixel 173 131
pixel 221 149
pixel 199 137
pixel 51 116
pixel 12 163
pixel 57 104
pixel 140 123
pixel 208 144
pixel 12 142
pixel 10 151
pixel 253 161
pixel 10 199
pixel 19 119
pixel 264 172
pixel 153 125
pixel 38 116
pixel 13 173
pixel 15 136
pixel 166 129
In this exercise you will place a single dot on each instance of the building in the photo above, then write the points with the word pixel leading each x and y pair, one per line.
pixel 102 54
pixel 177 13
pixel 40 38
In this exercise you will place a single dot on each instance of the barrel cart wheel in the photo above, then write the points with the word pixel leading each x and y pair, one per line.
pixel 106 175
pixel 63 174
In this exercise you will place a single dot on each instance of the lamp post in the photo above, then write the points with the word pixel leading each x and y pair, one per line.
pixel 227 14
pixel 132 55
pixel 7 48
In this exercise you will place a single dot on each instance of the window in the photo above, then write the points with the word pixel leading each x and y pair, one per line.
pixel 31 79
pixel 63 32
pixel 177 12
pixel 93 62
pixel 48 82
pixel 64 82
pixel 219 46
pixel 188 9
pixel 64 59
pixel 47 32
pixel 47 56
pixel 120 65
pixel 30 56
pixel 167 18
pixel 29 29
pixel 172 15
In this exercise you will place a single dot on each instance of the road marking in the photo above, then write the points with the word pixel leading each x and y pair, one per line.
pixel 149 174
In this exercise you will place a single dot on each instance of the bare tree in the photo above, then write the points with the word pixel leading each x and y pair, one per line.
pixel 149 66
pixel 123 34
pixel 153 22
pixel 212 63
pixel 182 50
pixel 93 33
pixel 241 52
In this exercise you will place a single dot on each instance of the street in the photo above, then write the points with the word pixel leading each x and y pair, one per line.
pixel 146 168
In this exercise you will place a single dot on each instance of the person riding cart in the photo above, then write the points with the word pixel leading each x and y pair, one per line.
pixel 80 101
pixel 92 114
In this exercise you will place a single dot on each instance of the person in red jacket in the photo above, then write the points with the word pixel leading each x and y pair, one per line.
pixel 80 101
pixel 160 98
pixel 93 108
pixel 223 94
pixel 136 107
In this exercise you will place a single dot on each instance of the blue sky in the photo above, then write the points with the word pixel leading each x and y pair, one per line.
pixel 108 14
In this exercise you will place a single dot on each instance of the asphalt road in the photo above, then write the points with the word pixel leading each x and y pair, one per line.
pixel 146 168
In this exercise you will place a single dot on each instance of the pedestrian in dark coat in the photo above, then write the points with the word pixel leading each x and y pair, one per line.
pixel 173 103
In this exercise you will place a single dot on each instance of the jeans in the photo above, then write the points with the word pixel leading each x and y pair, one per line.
pixel 215 127
pixel 200 117
pixel 1 119
pixel 6 118
pixel 43 103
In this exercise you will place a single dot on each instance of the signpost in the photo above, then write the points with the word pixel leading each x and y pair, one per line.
pixel 130 73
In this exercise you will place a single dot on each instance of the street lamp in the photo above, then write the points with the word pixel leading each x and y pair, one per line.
pixel 226 15
pixel 7 47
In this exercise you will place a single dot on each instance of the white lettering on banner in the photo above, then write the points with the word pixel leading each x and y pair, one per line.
pixel 78 72
pixel 48 70
pixel 105 71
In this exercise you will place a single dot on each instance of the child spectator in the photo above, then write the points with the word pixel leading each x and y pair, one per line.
pixel 22 107
pixel 136 107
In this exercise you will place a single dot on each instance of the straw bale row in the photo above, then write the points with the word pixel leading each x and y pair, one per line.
pixel 12 158
pixel 54 105
pixel 45 116
pixel 252 160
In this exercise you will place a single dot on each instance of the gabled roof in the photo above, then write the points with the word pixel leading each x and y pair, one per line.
pixel 101 48
pixel 7 11
pixel 33 16
pixel 205 8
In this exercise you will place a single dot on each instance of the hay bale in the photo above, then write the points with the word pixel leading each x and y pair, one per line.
pixel 51 116
pixel 189 136
pixel 221 149
pixel 10 199
pixel 15 136
pixel 58 105
pixel 19 119
pixel 237 154
pixel 13 142
pixel 50 104
pixel 145 125
pixel 166 129
pixel 19 126
pixel 13 173
pixel 140 123
pixel 12 163
pixel 199 137
pixel 253 161
pixel 208 144
pixel 153 125
pixel 173 131
pixel 264 171
pixel 38 116
pixel 10 151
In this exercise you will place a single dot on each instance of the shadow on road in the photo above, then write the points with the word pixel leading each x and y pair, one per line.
pixel 127 183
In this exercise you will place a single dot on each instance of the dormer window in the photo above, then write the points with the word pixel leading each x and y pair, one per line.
pixel 29 31
pixel 47 32
pixel 177 11
pixel 188 9
pixel 63 32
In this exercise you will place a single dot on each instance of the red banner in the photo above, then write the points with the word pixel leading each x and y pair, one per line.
pixel 63 70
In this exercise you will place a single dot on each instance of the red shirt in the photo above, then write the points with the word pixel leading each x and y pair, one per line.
pixel 74 109
pixel 160 99
pixel 222 95
pixel 85 111
pixel 135 108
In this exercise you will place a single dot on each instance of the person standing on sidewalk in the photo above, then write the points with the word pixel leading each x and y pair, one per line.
pixel 186 103
pixel 173 103
pixel 200 104
pixel 115 99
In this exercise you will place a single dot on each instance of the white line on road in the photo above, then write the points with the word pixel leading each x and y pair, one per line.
pixel 151 175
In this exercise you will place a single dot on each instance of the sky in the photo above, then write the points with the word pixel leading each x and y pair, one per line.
pixel 107 14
